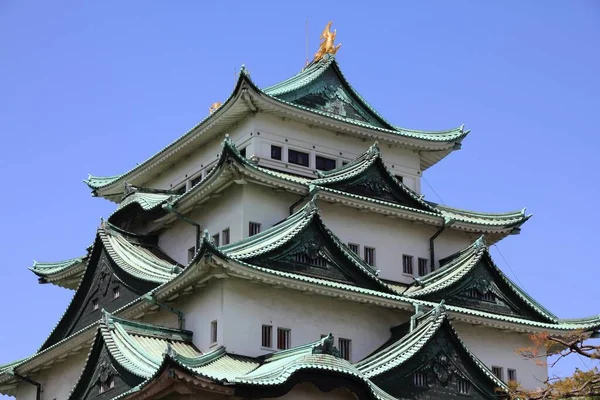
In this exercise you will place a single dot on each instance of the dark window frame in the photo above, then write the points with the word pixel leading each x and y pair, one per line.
pixel 296 157
pixel 276 152
pixel 325 160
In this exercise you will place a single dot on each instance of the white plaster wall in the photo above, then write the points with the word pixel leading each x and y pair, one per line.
pixel 308 391
pixel 201 158
pixel 497 348
pixel 200 309
pixel 391 238
pixel 265 206
pixel 214 215
pixel 247 306
pixel 289 134
pixel 58 381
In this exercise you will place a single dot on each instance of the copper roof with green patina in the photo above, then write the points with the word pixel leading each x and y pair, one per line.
pixel 400 351
pixel 304 78
pixel 459 266
pixel 66 273
pixel 274 369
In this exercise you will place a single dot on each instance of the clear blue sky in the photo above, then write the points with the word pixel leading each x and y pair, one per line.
pixel 94 87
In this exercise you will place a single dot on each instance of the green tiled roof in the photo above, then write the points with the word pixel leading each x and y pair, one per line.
pixel 62 273
pixel 147 201
pixel 406 347
pixel 137 259
pixel 316 70
pixel 274 369
pixel 459 266
pixel 282 233
pixel 303 78
pixel 508 219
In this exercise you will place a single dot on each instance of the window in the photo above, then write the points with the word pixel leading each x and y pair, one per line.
pixel 370 255
pixel 344 346
pixel 423 270
pixel 297 157
pixel 400 178
pixel 243 152
pixel 407 264
pixel 191 253
pixel 254 228
pixel 180 190
pixel 225 236
pixel 196 180
pixel 325 164
pixel 498 371
pixel 354 248
pixel 213 332
pixel 95 304
pixel 276 152
pixel 512 374
pixel 318 261
pixel 463 386
pixel 420 379
pixel 215 239
pixel 116 292
pixel 283 338
pixel 344 163
pixel 476 294
pixel 106 386
pixel 267 336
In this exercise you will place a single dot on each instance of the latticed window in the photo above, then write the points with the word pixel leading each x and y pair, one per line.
pixel 191 253
pixel 499 372
pixel 423 267
pixel 354 248
pixel 180 190
pixel 463 386
pixel 116 292
pixel 243 152
pixel 284 338
pixel 370 255
pixel 344 346
pixel 225 236
pixel 512 375
pixel 318 261
pixel 276 152
pixel 420 379
pixel 95 304
pixel 476 294
pixel 105 386
pixel 407 264
pixel 196 180
pixel 267 336
pixel 253 228
pixel 324 163
pixel 400 178
pixel 215 239
pixel 213 332
pixel 297 157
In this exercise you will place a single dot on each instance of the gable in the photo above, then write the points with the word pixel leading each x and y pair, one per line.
pixel 98 286
pixel 328 93
pixel 443 368
pixel 102 377
pixel 484 289
pixel 375 182
pixel 313 252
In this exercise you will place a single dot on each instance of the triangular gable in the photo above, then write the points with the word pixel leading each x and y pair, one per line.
pixel 302 244
pixel 426 359
pixel 121 268
pixel 124 354
pixel 103 378
pixel 322 86
pixel 368 176
pixel 470 279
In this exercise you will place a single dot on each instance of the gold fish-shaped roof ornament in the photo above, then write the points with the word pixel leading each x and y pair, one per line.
pixel 327 45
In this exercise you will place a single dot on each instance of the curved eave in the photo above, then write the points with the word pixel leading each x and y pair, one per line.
pixel 136 259
pixel 232 111
pixel 434 145
pixel 65 274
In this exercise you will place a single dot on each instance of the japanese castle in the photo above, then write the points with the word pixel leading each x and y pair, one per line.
pixel 281 248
